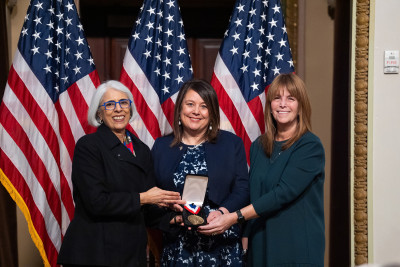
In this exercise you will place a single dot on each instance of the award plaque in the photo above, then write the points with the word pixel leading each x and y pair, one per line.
pixel 194 192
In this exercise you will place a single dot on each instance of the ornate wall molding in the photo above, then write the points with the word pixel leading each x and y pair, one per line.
pixel 361 133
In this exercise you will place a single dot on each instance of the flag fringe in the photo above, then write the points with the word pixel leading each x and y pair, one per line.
pixel 24 209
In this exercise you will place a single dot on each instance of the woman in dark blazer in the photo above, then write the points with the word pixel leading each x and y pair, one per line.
pixel 113 185
pixel 286 214
pixel 198 146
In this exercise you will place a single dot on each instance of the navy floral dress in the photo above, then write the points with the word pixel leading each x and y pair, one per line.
pixel 191 248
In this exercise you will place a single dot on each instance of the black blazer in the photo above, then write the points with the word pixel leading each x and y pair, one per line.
pixel 228 179
pixel 109 227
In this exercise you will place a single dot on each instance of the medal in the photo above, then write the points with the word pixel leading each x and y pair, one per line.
pixel 194 192
pixel 195 220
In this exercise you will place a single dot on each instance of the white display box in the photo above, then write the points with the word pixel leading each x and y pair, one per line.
pixel 195 189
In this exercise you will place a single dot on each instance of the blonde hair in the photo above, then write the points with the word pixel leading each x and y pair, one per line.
pixel 297 89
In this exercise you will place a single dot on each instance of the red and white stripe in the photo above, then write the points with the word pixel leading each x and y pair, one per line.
pixel 37 140
pixel 151 119
pixel 245 119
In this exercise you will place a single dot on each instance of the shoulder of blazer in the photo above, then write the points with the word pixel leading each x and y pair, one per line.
pixel 91 141
pixel 228 136
pixel 109 139
pixel 103 134
pixel 166 159
pixel 163 144
pixel 256 144
pixel 308 138
pixel 164 141
pixel 105 139
pixel 225 139
pixel 228 147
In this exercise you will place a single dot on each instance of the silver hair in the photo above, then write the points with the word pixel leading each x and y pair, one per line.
pixel 93 117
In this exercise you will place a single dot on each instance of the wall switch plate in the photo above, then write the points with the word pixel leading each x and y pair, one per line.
pixel 391 64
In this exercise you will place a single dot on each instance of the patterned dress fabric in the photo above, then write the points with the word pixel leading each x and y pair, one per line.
pixel 191 248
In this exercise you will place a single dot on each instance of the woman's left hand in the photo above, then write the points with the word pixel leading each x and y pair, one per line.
pixel 218 225
pixel 216 213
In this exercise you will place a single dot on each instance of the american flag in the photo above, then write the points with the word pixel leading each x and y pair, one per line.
pixel 42 115
pixel 255 49
pixel 156 64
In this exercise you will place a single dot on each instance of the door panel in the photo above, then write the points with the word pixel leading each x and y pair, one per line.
pixel 118 49
pixel 204 55
pixel 100 48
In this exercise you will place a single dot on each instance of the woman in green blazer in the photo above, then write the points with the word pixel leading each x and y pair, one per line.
pixel 286 215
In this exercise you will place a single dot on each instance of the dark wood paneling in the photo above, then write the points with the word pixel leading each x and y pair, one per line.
pixel 100 48
pixel 203 57
pixel 118 49
pixel 108 54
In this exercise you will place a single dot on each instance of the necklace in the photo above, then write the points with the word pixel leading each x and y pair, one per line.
pixel 275 154
pixel 202 140
pixel 196 146
pixel 272 158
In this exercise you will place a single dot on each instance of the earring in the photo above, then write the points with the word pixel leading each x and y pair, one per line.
pixel 179 122
pixel 210 128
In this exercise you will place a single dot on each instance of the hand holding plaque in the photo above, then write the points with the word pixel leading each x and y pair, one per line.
pixel 194 192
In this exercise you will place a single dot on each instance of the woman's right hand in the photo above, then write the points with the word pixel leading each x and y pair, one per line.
pixel 160 197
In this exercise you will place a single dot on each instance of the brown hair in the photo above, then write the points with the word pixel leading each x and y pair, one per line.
pixel 297 89
pixel 209 96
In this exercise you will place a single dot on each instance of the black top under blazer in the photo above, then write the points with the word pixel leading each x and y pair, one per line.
pixel 109 226
pixel 228 179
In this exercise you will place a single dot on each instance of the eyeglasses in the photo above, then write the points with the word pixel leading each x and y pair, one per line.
pixel 111 105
